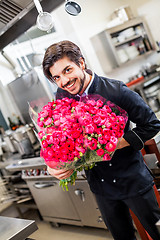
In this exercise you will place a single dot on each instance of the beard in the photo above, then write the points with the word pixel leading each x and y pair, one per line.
pixel 82 81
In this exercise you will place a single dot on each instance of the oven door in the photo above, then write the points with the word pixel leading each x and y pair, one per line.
pixel 86 204
pixel 52 201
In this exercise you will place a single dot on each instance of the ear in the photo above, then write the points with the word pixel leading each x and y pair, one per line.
pixel 82 63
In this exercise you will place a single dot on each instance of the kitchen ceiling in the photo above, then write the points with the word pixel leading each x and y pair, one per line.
pixel 17 16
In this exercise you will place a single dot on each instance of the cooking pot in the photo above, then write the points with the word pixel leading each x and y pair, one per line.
pixel 31 134
pixel 10 144
pixel 24 146
pixel 21 139
pixel 25 131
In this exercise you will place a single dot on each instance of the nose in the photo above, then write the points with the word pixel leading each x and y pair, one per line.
pixel 64 80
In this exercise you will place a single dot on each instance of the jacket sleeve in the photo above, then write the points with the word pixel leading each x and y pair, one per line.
pixel 147 124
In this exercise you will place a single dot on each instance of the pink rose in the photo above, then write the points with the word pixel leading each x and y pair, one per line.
pixel 114 140
pixel 43 114
pixel 92 110
pixel 106 157
pixel 120 119
pixel 47 153
pixel 91 102
pixel 100 152
pixel 80 149
pixel 101 140
pixel 76 133
pixel 108 124
pixel 48 121
pixel 97 120
pixel 90 128
pixel 110 146
pixel 93 144
pixel 99 103
pixel 40 123
pixel 41 134
pixel 44 143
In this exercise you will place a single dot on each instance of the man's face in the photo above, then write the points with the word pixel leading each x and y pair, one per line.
pixel 68 75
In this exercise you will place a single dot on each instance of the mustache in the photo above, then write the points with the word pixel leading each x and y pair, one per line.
pixel 69 83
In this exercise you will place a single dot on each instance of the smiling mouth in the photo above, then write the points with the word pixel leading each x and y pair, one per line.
pixel 70 84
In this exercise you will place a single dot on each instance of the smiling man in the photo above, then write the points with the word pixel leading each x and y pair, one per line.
pixel 124 182
pixel 69 76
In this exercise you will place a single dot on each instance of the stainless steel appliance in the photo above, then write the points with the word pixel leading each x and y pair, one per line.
pixel 151 89
pixel 10 145
pixel 23 140
pixel 28 88
pixel 77 206
pixel 54 204
pixel 23 144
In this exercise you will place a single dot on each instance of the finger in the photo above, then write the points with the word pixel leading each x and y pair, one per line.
pixel 67 174
pixel 60 174
pixel 56 171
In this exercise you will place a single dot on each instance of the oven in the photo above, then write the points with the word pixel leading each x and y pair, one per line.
pixel 76 206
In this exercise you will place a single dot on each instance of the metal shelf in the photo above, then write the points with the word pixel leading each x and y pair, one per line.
pixel 127 40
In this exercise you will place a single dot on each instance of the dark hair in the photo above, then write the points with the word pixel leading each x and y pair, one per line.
pixel 57 51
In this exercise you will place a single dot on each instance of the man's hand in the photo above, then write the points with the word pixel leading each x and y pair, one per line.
pixel 123 143
pixel 60 174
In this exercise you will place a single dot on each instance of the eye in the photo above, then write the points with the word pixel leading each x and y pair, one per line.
pixel 56 78
pixel 68 70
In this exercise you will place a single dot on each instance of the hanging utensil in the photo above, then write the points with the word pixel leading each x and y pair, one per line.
pixel 44 19
pixel 72 8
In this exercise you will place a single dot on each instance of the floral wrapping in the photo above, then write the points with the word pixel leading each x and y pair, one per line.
pixel 76 134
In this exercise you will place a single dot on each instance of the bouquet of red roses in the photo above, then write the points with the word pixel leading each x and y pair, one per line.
pixel 76 134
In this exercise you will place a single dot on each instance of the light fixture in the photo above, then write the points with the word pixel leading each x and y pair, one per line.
pixel 44 19
pixel 72 8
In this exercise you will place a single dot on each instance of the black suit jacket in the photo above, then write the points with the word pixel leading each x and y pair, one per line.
pixel 126 175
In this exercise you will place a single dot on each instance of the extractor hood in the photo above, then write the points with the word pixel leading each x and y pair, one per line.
pixel 17 16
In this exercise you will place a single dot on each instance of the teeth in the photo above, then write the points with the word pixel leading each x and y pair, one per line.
pixel 71 85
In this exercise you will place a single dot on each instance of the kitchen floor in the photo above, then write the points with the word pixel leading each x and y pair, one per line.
pixel 67 232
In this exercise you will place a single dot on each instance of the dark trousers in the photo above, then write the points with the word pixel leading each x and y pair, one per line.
pixel 117 217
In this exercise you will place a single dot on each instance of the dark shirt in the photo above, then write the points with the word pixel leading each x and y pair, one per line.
pixel 126 175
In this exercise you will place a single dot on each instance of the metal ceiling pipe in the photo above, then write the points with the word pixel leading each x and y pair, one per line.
pixel 4 54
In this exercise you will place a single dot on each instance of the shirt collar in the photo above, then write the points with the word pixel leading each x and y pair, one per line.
pixel 86 90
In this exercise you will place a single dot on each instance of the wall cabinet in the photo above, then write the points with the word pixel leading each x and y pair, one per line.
pixel 123 43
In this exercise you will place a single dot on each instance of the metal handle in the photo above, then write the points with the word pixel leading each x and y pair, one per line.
pixel 80 193
pixel 38 6
pixel 40 185
pixel 99 220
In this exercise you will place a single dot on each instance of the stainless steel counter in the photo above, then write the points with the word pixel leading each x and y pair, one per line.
pixel 38 162
pixel 22 164
pixel 15 228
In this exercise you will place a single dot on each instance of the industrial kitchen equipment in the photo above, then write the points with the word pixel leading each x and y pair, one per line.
pixel 77 206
